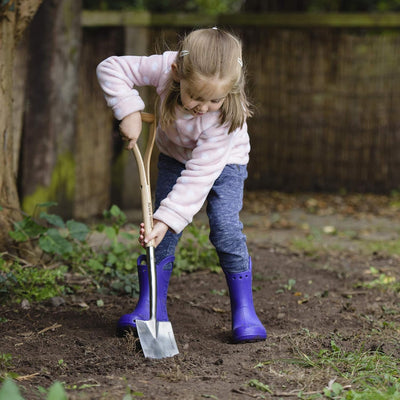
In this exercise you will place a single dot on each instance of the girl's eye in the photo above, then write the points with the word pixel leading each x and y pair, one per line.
pixel 216 101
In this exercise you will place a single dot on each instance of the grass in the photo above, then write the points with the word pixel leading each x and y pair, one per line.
pixel 363 366
pixel 382 281
pixel 321 240
pixel 341 370
pixel 387 247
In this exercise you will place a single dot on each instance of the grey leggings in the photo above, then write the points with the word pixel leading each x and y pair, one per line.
pixel 224 202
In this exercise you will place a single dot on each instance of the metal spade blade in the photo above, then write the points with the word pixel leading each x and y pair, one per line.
pixel 156 337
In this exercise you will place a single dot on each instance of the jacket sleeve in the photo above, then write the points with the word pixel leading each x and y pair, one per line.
pixel 188 195
pixel 119 77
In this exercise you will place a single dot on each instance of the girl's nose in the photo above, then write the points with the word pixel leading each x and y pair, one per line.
pixel 203 107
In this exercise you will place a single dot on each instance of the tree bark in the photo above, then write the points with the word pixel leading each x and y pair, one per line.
pixel 47 161
pixel 14 18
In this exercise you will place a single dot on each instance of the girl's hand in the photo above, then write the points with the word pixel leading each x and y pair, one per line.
pixel 157 234
pixel 130 128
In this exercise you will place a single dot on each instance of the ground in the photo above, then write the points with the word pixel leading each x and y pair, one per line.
pixel 312 257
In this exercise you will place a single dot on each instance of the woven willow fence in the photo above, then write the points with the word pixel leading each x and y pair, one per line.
pixel 327 109
pixel 325 93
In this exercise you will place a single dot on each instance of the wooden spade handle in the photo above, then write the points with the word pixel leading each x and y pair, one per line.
pixel 143 164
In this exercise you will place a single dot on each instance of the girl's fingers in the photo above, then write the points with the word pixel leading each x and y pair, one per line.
pixel 131 144
pixel 141 235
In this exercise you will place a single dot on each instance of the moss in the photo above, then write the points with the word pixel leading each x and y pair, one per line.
pixel 60 190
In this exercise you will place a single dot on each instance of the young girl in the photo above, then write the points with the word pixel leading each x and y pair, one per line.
pixel 204 150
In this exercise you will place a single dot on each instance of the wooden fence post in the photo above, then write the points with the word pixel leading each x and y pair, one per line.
pixel 95 125
pixel 136 43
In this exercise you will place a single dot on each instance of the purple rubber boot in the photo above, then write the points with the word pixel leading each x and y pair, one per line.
pixel 246 327
pixel 142 311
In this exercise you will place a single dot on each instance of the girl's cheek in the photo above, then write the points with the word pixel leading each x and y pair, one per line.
pixel 216 107
pixel 190 104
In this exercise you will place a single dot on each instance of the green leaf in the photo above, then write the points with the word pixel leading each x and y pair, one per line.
pixel 54 243
pixel 26 229
pixel 110 232
pixel 53 219
pixel 10 391
pixel 259 385
pixel 95 265
pixel 116 212
pixel 111 259
pixel 56 392
pixel 119 248
pixel 78 230
pixel 19 236
pixel 100 303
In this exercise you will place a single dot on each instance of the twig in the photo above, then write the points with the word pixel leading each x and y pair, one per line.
pixel 16 258
pixel 26 377
pixel 296 393
pixel 54 326
pixel 89 277
pixel 256 396
pixel 354 293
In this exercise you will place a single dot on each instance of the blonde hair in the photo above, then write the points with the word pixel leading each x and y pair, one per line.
pixel 210 53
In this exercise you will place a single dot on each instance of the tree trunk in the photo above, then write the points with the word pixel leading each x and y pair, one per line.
pixel 48 162
pixel 14 17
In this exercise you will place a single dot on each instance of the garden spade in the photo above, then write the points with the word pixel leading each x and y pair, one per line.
pixel 156 337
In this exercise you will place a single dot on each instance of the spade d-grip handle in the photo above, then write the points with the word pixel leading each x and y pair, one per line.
pixel 143 164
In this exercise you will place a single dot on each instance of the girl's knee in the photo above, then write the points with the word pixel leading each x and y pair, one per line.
pixel 226 238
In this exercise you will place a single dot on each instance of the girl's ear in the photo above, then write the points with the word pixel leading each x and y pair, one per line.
pixel 174 70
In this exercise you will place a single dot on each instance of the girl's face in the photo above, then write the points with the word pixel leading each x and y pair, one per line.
pixel 203 95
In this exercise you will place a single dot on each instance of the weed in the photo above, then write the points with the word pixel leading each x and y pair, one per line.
pixel 387 247
pixel 310 245
pixel 367 372
pixel 222 292
pixel 382 281
pixel 259 386
pixel 27 282
pixel 106 253
pixel 333 390
pixel 287 286
pixel 10 391
pixel 395 200
pixel 195 252
pixel 5 361
pixel 6 367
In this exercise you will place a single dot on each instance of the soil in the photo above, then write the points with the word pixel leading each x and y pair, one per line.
pixel 306 297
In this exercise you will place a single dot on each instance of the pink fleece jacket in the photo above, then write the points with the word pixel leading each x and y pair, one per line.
pixel 199 142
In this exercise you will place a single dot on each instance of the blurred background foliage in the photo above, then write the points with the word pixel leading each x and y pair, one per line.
pixel 232 6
